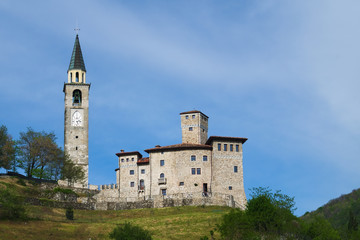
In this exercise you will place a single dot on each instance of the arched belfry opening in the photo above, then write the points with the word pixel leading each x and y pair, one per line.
pixel 77 97
pixel 77 77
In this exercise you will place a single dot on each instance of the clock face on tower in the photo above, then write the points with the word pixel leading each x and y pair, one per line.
pixel 76 119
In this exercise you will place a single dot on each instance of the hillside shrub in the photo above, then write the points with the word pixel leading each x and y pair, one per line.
pixel 63 190
pixel 21 182
pixel 12 207
pixel 130 232
pixel 70 213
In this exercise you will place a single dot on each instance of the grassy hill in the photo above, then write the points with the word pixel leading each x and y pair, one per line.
pixel 337 211
pixel 50 223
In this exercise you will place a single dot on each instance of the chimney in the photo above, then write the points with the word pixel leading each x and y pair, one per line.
pixel 122 150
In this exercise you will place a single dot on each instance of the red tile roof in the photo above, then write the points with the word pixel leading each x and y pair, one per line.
pixel 182 146
pixel 143 160
pixel 123 154
pixel 193 111
pixel 219 138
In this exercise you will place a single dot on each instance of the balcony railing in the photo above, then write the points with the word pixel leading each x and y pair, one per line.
pixel 162 180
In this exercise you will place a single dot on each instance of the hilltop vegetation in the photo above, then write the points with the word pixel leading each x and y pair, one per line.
pixel 343 213
pixel 43 222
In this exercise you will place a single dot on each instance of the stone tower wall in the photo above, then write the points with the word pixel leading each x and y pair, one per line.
pixel 224 176
pixel 194 128
pixel 76 137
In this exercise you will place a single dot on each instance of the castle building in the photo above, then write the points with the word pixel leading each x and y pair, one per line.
pixel 198 164
pixel 76 116
pixel 199 168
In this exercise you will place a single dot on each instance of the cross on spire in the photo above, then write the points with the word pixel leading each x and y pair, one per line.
pixel 77 30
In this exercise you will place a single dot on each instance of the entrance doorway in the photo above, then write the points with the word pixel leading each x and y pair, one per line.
pixel 205 189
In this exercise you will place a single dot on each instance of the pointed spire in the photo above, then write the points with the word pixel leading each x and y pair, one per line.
pixel 77 61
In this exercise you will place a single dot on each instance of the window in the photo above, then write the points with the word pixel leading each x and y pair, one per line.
pixel 190 128
pixel 219 146
pixel 77 76
pixel 76 136
pixel 132 159
pixel 162 162
pixel 230 187
pixel 163 192
pixel 231 147
pixel 205 158
pixel 181 183
pixel 193 171
pixel 122 160
pixel 193 158
pixel 225 147
pixel 237 148
pixel 77 98
pixel 235 168
pixel 198 171
pixel 132 172
pixel 132 184
pixel 187 116
pixel 162 175
pixel 193 116
pixel 142 184
pixel 76 148
pixel 127 159
pixel 142 171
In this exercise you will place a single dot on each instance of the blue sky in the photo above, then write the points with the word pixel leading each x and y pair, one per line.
pixel 284 74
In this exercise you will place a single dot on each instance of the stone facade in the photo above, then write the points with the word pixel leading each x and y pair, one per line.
pixel 76 116
pixel 199 165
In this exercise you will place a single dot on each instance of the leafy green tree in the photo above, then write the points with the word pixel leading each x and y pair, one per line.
pixel 7 150
pixel 130 232
pixel 39 154
pixel 321 229
pixel 71 172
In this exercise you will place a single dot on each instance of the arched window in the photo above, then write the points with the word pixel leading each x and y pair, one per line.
pixel 82 77
pixel 71 77
pixel 142 184
pixel 77 98
pixel 162 175
pixel 77 77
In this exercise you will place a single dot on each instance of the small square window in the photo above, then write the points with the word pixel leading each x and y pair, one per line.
pixel 225 147
pixel 122 160
pixel 193 116
pixel 142 171
pixel 231 147
pixel 205 158
pixel 162 162
pixel 132 172
pixel 237 148
pixel 219 146
pixel 132 159
pixel 190 128
pixel 235 168
pixel 193 158
pixel 127 159
pixel 163 192
pixel 77 137
pixel 181 184
pixel 230 187
pixel 187 116
pixel 198 171
pixel 132 184
pixel 193 171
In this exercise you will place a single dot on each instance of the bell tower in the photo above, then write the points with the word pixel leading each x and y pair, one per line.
pixel 76 117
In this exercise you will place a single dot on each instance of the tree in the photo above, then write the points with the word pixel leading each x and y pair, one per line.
pixel 7 150
pixel 71 172
pixel 39 154
pixel 268 215
pixel 321 229
pixel 130 232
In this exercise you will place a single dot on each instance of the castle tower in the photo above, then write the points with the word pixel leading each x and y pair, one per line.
pixel 194 127
pixel 76 125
